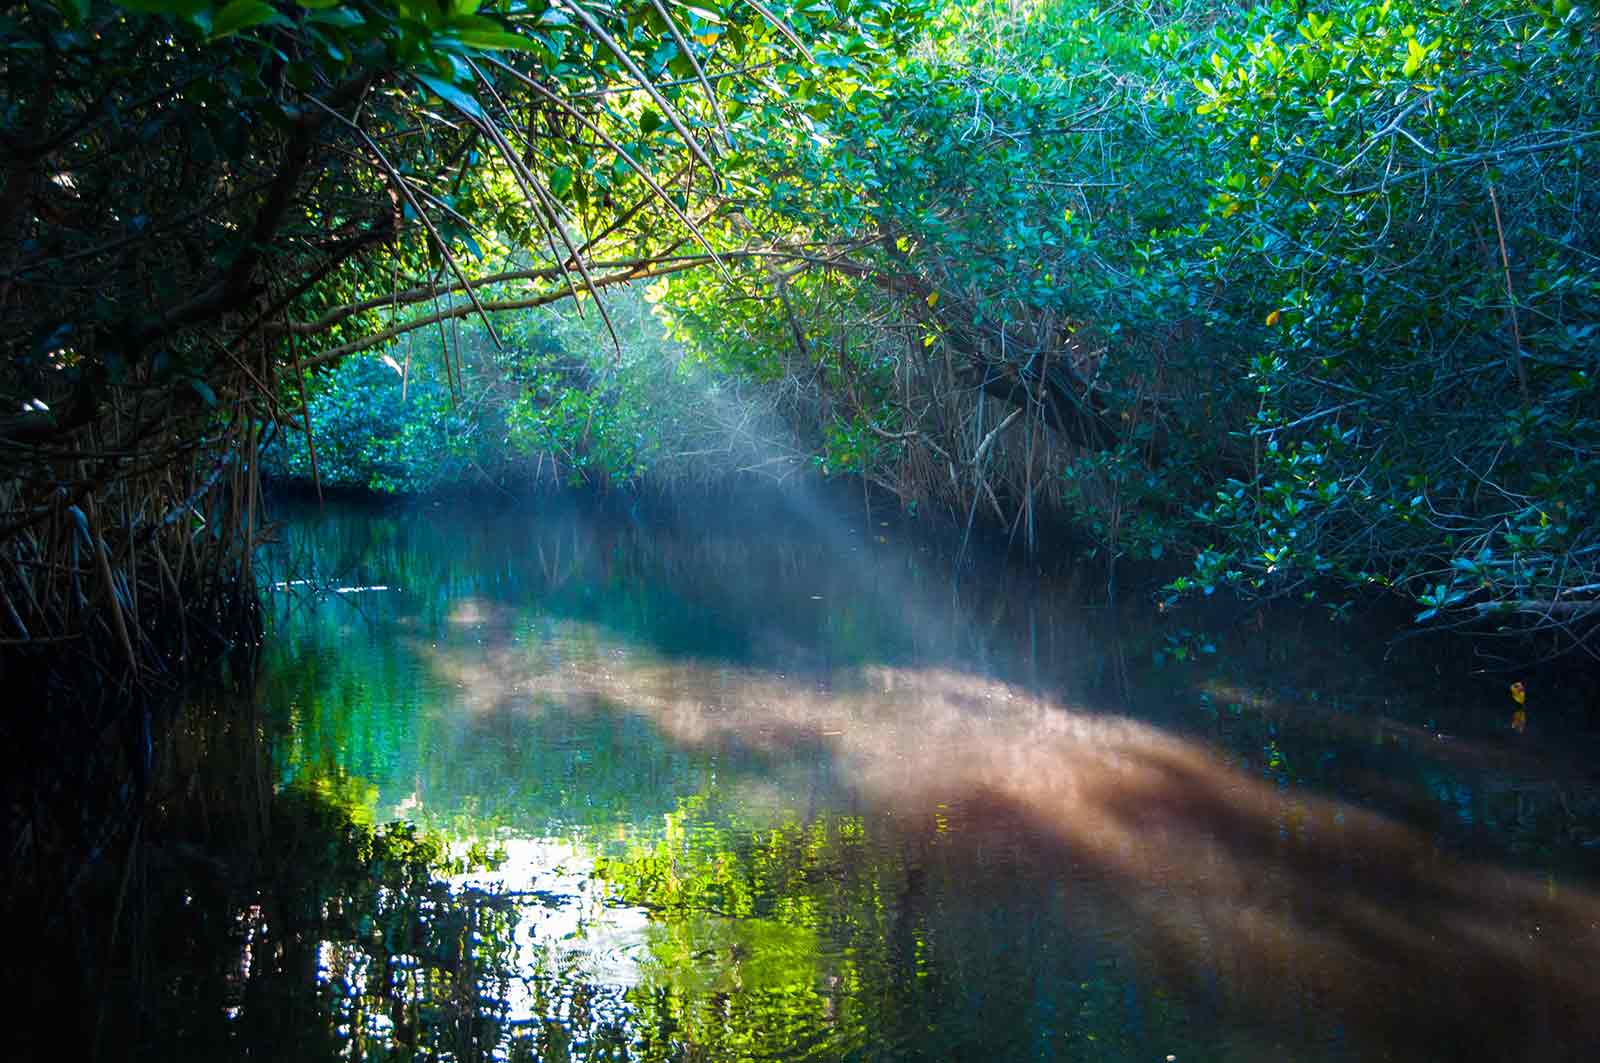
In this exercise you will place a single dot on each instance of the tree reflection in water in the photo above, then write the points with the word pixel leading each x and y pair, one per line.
pixel 749 801
pixel 1283 902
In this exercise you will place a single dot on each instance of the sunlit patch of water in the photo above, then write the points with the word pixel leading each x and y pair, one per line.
pixel 866 820
pixel 568 923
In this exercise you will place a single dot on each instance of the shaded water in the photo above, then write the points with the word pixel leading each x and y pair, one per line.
pixel 775 790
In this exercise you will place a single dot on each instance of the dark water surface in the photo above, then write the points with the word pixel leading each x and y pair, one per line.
pixel 772 789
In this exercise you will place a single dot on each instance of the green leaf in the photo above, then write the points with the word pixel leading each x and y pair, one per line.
pixel 339 17
pixel 1415 55
pixel 240 15
pixel 452 95
pixel 560 181
pixel 649 121
pixel 497 40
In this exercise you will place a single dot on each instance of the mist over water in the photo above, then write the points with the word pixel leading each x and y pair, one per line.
pixel 770 787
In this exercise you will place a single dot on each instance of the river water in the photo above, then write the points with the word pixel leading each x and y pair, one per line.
pixel 776 788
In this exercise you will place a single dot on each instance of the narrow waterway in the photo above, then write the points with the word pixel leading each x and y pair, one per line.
pixel 776 789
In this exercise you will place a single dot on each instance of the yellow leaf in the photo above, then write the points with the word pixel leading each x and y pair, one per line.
pixel 1415 55
pixel 1274 317
pixel 1519 693
pixel 707 39
pixel 933 299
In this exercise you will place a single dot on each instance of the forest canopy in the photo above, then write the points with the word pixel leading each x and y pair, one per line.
pixel 204 201
pixel 1307 295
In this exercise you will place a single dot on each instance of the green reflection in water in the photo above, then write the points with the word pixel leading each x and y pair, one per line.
pixel 773 792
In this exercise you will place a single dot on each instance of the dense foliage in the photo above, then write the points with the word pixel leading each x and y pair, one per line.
pixel 1310 296
pixel 1304 297
pixel 200 201
pixel 556 405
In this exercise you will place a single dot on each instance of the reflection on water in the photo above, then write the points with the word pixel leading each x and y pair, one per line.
pixel 774 792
